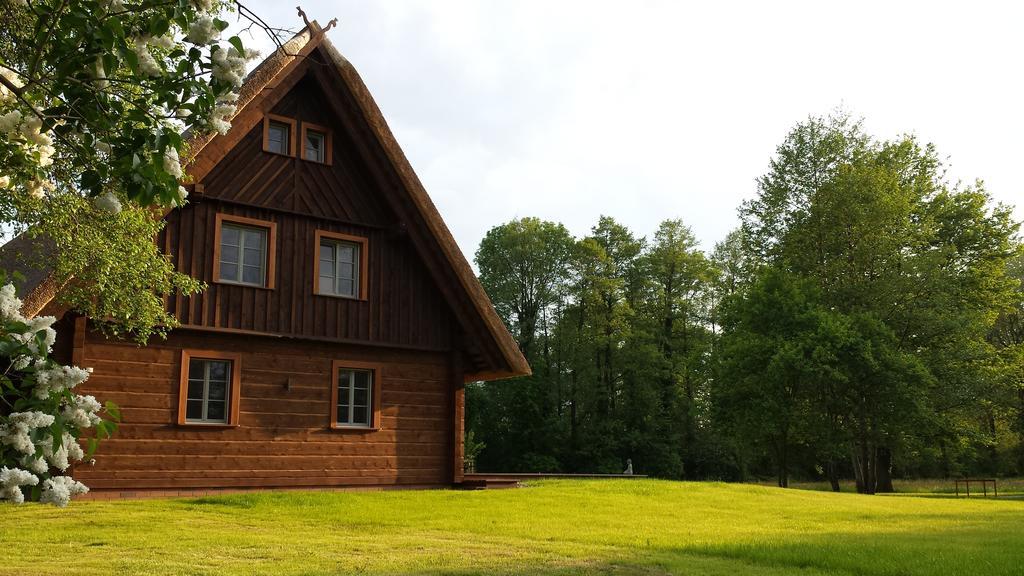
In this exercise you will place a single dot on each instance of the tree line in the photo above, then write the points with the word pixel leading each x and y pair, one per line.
pixel 865 321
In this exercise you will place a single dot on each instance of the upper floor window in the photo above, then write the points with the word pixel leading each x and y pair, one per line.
pixel 341 265
pixel 209 390
pixel 245 251
pixel 316 142
pixel 279 135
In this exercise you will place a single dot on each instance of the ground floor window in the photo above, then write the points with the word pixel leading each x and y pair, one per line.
pixel 355 390
pixel 209 389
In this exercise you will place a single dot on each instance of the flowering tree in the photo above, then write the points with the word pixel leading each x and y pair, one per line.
pixel 94 98
pixel 41 418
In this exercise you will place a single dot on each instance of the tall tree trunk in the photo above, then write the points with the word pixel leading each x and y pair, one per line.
pixel 782 453
pixel 1020 431
pixel 832 470
pixel 858 470
pixel 883 470
pixel 993 448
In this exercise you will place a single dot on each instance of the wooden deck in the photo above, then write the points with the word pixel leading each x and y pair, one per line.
pixel 481 481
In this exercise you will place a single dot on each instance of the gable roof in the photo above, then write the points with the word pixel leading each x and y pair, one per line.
pixel 494 352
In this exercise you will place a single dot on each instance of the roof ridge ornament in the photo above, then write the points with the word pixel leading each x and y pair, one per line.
pixel 310 25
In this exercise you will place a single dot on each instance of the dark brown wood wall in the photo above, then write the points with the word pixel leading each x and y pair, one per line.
pixel 403 305
pixel 283 438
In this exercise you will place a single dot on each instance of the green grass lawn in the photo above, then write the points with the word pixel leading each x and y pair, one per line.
pixel 550 527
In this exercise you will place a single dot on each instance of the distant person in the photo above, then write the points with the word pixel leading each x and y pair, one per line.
pixel 629 467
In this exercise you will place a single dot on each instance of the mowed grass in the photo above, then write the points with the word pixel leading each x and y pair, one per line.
pixel 937 486
pixel 549 527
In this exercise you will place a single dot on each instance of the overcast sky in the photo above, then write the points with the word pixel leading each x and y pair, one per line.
pixel 653 110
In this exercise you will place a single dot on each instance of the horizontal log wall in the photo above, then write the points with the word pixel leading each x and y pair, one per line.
pixel 283 437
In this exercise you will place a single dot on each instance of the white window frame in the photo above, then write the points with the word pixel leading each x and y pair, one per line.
pixel 357 251
pixel 351 396
pixel 322 150
pixel 204 419
pixel 240 265
pixel 286 142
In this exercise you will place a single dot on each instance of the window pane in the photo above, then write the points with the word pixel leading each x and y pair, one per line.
pixel 219 370
pixel 314 146
pixel 252 275
pixel 361 416
pixel 229 271
pixel 362 379
pixel 326 251
pixel 218 391
pixel 228 254
pixel 195 369
pixel 343 384
pixel 346 271
pixel 343 414
pixel 229 235
pixel 277 137
pixel 327 268
pixel 326 285
pixel 195 390
pixel 346 252
pixel 252 256
pixel 194 410
pixel 345 287
pixel 215 411
pixel 361 396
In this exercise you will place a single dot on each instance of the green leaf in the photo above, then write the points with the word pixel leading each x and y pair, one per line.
pixel 237 43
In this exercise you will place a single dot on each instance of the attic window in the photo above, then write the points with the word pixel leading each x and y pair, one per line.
pixel 316 143
pixel 279 135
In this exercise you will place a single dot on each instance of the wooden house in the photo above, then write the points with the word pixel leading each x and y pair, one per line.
pixel 341 319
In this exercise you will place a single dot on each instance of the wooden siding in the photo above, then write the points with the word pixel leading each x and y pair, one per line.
pixel 283 437
pixel 402 307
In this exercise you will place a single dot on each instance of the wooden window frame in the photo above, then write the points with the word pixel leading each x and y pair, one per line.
pixel 235 392
pixel 292 133
pixel 328 143
pixel 271 270
pixel 364 262
pixel 376 371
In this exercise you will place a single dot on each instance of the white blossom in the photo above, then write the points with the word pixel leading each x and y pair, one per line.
pixel 37 188
pixel 67 453
pixel 107 202
pixel 10 305
pixel 181 196
pixel 147 64
pixel 5 94
pixel 165 42
pixel 34 465
pixel 11 479
pixel 172 165
pixel 202 31
pixel 203 5
pixel 58 379
pixel 5 182
pixel 229 64
pixel 220 118
pixel 16 433
pixel 10 122
pixel 83 412
pixel 59 490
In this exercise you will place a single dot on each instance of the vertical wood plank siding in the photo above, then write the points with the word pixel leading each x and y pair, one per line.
pixel 283 437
